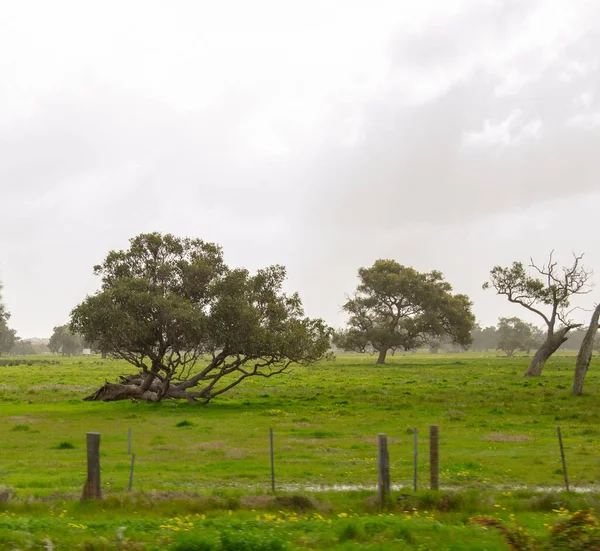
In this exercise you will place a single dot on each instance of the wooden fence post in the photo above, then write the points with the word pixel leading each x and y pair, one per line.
pixel 131 471
pixel 434 457
pixel 415 454
pixel 128 441
pixel 92 488
pixel 272 460
pixel 383 468
pixel 562 456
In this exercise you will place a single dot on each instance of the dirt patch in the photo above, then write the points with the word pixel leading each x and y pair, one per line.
pixel 20 419
pixel 255 502
pixel 499 437
pixel 213 445
pixel 54 387
pixel 235 453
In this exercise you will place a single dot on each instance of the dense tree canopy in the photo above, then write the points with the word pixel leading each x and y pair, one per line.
pixel 484 338
pixel 64 341
pixel 395 307
pixel 547 294
pixel 516 335
pixel 193 327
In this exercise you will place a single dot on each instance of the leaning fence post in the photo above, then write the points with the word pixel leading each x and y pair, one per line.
pixel 383 468
pixel 434 457
pixel 92 488
pixel 131 471
pixel 272 460
pixel 415 454
pixel 562 456
pixel 128 441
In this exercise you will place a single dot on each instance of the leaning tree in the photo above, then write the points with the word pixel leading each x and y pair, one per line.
pixel 192 327
pixel 584 357
pixel 547 294
pixel 397 307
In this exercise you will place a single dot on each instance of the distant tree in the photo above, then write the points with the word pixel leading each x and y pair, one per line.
pixel 435 345
pixel 576 337
pixel 515 334
pixel 193 327
pixel 23 348
pixel 64 341
pixel 484 338
pixel 7 335
pixel 395 307
pixel 585 353
pixel 548 295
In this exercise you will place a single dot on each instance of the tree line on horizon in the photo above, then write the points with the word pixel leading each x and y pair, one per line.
pixel 167 303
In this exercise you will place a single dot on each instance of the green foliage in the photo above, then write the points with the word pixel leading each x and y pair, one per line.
pixel 396 307
pixel 65 445
pixel 167 302
pixel 21 427
pixel 66 342
pixel 484 338
pixel 185 423
pixel 195 542
pixel 231 541
pixel 515 334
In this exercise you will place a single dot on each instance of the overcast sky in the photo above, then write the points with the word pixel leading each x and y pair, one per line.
pixel 322 135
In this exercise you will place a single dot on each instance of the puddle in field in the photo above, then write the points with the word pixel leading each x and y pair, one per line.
pixel 498 487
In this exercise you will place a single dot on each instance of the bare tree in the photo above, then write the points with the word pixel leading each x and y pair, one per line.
pixel 548 294
pixel 585 353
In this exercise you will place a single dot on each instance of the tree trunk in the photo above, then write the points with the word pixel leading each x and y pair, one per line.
pixel 550 346
pixel 136 387
pixel 585 353
pixel 382 355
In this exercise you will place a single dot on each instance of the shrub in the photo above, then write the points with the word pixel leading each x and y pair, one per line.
pixel 248 542
pixel 185 423
pixel 64 445
pixel 349 531
pixel 194 542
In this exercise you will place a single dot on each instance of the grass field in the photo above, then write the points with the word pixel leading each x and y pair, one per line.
pixel 498 446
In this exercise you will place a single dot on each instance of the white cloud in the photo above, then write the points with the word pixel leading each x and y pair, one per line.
pixel 585 120
pixel 511 131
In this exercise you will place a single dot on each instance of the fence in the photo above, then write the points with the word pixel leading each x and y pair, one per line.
pixel 92 488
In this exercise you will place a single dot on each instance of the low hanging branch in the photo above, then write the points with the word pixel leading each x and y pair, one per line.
pixel 547 295
pixel 192 327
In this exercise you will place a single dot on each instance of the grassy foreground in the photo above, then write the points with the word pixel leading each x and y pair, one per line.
pixel 140 523
pixel 499 456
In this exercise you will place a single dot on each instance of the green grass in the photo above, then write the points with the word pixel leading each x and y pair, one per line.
pixel 497 435
pixel 428 521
